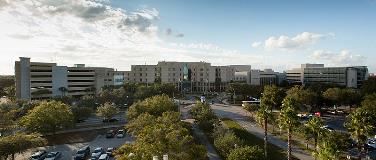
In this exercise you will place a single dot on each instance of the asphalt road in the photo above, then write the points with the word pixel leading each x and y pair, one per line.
pixel 69 150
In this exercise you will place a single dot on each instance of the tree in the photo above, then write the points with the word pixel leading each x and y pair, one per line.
pixel 251 108
pixel 5 81
pixel 10 92
pixel 360 124
pixel 289 120
pixel 107 111
pixel 304 97
pixel 155 106
pixel 369 102
pixel 204 115
pixel 8 112
pixel 18 143
pixel 246 153
pixel 328 150
pixel 158 135
pixel 227 142
pixel 271 97
pixel 314 128
pixel 369 86
pixel 48 117
pixel 80 113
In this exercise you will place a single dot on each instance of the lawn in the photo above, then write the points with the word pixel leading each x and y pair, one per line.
pixel 274 152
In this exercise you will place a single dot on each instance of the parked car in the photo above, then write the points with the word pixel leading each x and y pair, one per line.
pixel 82 153
pixel 110 134
pixel 120 134
pixel 104 157
pixel 53 156
pixel 110 151
pixel 97 153
pixel 371 143
pixel 40 155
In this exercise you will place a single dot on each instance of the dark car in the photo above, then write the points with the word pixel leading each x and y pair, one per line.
pixel 40 155
pixel 53 156
pixel 110 134
pixel 82 153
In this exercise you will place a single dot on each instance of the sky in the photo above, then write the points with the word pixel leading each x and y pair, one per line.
pixel 119 33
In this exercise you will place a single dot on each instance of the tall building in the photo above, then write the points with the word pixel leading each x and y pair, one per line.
pixel 37 80
pixel 316 73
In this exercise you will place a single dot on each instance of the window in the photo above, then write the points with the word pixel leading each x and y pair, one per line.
pixel 140 69
pixel 173 74
pixel 146 74
pixel 140 74
pixel 173 69
pixel 140 79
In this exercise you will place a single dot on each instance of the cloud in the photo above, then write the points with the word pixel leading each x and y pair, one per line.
pixel 300 41
pixel 256 44
pixel 179 35
pixel 344 57
pixel 168 31
pixel 94 33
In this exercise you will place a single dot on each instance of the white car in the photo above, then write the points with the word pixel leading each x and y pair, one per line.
pixel 120 134
pixel 97 153
pixel 371 143
pixel 53 156
pixel 104 157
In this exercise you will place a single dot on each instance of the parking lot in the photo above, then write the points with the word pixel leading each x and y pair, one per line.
pixel 69 150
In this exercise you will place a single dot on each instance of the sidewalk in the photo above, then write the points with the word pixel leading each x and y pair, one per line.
pixel 240 116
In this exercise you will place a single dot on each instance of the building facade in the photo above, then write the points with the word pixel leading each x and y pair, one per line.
pixel 351 77
pixel 266 77
pixel 37 80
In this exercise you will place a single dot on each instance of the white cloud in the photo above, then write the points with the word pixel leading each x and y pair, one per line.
pixel 256 44
pixel 93 32
pixel 300 41
pixel 344 57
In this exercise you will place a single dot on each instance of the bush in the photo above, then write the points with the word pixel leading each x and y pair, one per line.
pixel 246 153
pixel 205 116
pixel 226 143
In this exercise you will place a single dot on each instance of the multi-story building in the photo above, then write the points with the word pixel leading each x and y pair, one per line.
pixel 265 77
pixel 316 73
pixel 37 80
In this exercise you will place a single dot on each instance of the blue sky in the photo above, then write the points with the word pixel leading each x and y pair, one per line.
pixel 265 34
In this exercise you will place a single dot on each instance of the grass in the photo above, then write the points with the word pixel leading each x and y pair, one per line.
pixel 274 152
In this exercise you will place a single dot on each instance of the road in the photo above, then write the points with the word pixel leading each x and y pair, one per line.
pixel 68 150
pixel 240 115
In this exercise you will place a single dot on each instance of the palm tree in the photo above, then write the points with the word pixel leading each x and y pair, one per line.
pixel 262 115
pixel 314 128
pixel 360 124
pixel 289 120
pixel 271 97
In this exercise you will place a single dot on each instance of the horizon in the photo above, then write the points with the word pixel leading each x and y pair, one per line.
pixel 117 34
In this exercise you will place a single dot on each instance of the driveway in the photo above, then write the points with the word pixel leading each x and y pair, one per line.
pixel 69 150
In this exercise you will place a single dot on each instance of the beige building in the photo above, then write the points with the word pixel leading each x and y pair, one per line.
pixel 266 77
pixel 37 80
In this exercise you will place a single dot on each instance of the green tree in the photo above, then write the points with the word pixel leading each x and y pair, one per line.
pixel 305 97
pixel 18 143
pixel 10 92
pixel 80 113
pixel 107 111
pixel 369 102
pixel 227 142
pixel 251 108
pixel 204 115
pixel 271 97
pixel 155 105
pixel 48 117
pixel 289 120
pixel 360 124
pixel 8 112
pixel 246 153
pixel 5 81
pixel 369 86
pixel 314 129
pixel 328 150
